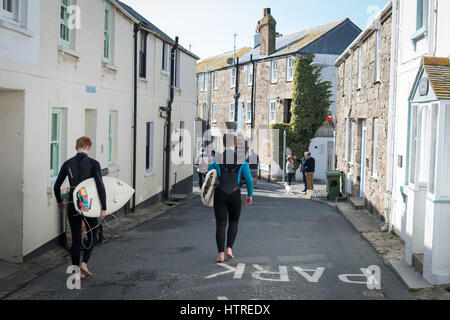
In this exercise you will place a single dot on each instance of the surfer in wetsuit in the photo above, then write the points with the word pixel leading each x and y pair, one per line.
pixel 227 196
pixel 78 169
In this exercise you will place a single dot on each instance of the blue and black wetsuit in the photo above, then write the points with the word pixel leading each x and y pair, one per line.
pixel 227 196
pixel 78 169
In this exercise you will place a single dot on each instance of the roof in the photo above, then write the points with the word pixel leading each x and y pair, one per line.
pixel 152 28
pixel 220 61
pixel 385 11
pixel 438 71
pixel 284 45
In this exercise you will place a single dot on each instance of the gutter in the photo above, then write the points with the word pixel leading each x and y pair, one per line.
pixel 169 119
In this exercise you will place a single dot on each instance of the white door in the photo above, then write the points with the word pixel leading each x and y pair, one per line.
pixel 363 158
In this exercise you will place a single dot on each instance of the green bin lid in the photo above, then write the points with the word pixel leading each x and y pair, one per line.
pixel 333 173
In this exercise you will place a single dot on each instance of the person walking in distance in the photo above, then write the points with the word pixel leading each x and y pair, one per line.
pixel 302 168
pixel 290 169
pixel 253 161
pixel 78 169
pixel 227 195
pixel 310 167
pixel 201 163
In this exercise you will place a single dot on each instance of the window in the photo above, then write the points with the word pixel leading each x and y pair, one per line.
pixel 360 61
pixel 181 152
pixel 107 43
pixel 248 112
pixel 149 133
pixel 216 80
pixel 352 151
pixel 177 69
pixel 422 14
pixel 375 148
pixel 273 71
pixel 272 111
pixel 9 9
pixel 290 68
pixel 378 56
pixel 413 145
pixel 231 112
pixel 233 78
pixel 165 57
pixel 64 31
pixel 143 55
pixel 432 152
pixel 250 74
pixel 343 78
pixel 55 141
pixel 202 82
pixel 214 113
pixel 112 137
pixel 346 142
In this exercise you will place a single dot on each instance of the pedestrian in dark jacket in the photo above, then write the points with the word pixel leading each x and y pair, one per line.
pixel 302 162
pixel 309 168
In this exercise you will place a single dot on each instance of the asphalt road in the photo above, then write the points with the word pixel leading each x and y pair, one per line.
pixel 287 248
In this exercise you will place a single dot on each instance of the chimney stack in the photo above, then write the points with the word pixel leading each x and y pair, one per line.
pixel 267 30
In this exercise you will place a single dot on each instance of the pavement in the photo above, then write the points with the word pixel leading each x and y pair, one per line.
pixel 290 246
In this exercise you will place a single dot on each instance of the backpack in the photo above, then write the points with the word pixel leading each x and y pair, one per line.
pixel 228 180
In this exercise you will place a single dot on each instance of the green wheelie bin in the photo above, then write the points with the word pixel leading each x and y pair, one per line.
pixel 333 184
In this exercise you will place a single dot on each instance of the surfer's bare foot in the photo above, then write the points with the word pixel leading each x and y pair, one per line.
pixel 230 254
pixel 221 257
pixel 85 270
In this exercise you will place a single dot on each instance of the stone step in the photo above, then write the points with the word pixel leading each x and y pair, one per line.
pixel 357 203
pixel 409 276
pixel 418 262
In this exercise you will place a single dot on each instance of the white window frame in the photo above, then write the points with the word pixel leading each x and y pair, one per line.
pixel 149 141
pixel 214 113
pixel 55 142
pixel 10 15
pixel 177 69
pixel 273 71
pixel 248 112
pixel 216 80
pixel 231 112
pixel 360 62
pixel 233 77
pixel 250 74
pixel 421 30
pixel 202 82
pixel 108 27
pixel 165 57
pixel 290 64
pixel 63 22
pixel 351 138
pixel 375 147
pixel 143 44
pixel 181 140
pixel 378 48
pixel 112 136
pixel 346 142
pixel 272 111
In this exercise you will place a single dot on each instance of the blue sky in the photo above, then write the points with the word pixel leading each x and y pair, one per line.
pixel 208 26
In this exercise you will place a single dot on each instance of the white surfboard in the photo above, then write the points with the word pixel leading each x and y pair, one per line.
pixel 87 201
pixel 207 191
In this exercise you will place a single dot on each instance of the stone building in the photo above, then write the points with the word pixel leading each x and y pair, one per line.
pixel 261 77
pixel 362 113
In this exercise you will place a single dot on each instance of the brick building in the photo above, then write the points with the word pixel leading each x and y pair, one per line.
pixel 261 76
pixel 362 113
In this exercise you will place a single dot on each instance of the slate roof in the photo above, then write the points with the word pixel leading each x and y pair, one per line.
pixel 284 45
pixel 438 71
pixel 150 26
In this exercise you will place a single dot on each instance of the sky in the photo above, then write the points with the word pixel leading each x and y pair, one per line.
pixel 207 27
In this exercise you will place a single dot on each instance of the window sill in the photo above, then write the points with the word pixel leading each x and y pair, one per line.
pixel 377 82
pixel 14 26
pixel 289 80
pixel 110 66
pixel 149 174
pixel 166 73
pixel 419 34
pixel 214 122
pixel 64 50
pixel 177 89
pixel 143 80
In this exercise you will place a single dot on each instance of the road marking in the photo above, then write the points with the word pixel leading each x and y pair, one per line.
pixel 315 277
pixel 372 276
pixel 238 271
pixel 260 271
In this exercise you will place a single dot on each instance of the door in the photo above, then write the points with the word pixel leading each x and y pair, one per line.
pixel 363 158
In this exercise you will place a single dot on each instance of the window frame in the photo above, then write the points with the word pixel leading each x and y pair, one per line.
pixel 108 34
pixel 378 50
pixel 360 63
pixel 274 112
pixel 143 50
pixel 177 76
pixel 233 77
pixel 290 66
pixel 232 111
pixel 216 80
pixel 248 112
pixel 56 164
pixel 112 136
pixel 202 82
pixel 165 57
pixel 214 113
pixel 149 146
pixel 63 23
pixel 250 74
pixel 181 140
pixel 10 15
pixel 273 71
pixel 375 133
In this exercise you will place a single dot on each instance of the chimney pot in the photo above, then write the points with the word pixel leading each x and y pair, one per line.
pixel 266 12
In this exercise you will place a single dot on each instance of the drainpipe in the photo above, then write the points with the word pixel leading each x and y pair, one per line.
pixel 237 94
pixel 169 118
pixel 136 30
pixel 253 98
pixel 390 163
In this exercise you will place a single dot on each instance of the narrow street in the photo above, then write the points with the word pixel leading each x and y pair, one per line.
pixel 282 241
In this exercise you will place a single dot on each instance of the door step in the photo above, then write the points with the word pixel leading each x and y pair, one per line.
pixel 357 203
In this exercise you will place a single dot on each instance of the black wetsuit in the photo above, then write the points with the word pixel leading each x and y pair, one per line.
pixel 78 169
